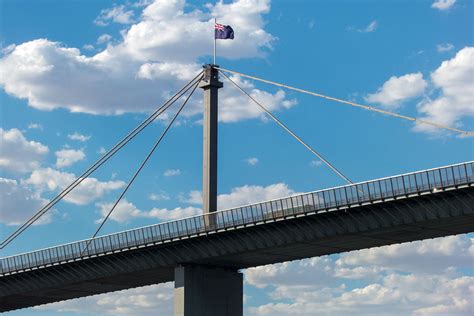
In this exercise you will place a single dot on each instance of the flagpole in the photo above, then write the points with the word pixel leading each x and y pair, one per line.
pixel 215 22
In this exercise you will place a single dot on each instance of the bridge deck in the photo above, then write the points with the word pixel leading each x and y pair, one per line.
pixel 424 204
pixel 385 189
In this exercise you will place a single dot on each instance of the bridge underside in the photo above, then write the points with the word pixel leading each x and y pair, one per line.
pixel 372 225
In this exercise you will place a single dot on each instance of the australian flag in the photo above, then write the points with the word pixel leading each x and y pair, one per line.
pixel 223 31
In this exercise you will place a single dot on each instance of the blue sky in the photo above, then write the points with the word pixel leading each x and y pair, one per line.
pixel 76 76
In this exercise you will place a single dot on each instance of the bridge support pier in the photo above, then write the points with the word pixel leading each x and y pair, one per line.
pixel 207 291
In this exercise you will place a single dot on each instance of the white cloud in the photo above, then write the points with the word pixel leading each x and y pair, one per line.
pixel 236 107
pixel 455 81
pixel 172 173
pixel 394 295
pixel 419 278
pixel 315 163
pixel 443 4
pixel 194 197
pixel 88 47
pixel 444 47
pixel 35 126
pixel 309 272
pixel 371 27
pixel 91 189
pixel 248 194
pixel 118 14
pixel 68 157
pixel 368 29
pixel 19 154
pixel 104 38
pixel 79 137
pixel 244 195
pixel 142 3
pixel 160 196
pixel 101 151
pixel 126 211
pixel 18 203
pixel 146 66
pixel 165 23
pixel 252 161
pixel 147 300
pixel 397 90
pixel 8 49
pixel 426 256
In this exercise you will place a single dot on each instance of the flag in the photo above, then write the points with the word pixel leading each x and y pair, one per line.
pixel 223 31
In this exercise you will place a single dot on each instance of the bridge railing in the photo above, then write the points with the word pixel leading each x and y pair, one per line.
pixel 391 187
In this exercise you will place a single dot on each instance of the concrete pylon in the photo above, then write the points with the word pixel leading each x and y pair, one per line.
pixel 210 84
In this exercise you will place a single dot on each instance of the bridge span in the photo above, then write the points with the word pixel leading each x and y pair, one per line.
pixel 420 205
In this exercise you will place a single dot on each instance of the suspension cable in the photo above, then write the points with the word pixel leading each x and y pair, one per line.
pixel 141 166
pixel 340 174
pixel 111 152
pixel 370 108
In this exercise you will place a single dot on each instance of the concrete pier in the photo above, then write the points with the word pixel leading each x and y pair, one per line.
pixel 207 291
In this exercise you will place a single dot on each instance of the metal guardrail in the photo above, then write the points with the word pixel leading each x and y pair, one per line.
pixel 343 196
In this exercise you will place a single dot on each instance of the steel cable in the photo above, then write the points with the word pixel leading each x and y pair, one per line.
pixel 370 108
pixel 141 166
pixel 340 174
pixel 111 152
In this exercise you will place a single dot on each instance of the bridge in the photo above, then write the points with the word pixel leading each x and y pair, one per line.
pixel 204 254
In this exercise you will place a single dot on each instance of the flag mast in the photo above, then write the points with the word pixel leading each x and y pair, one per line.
pixel 215 22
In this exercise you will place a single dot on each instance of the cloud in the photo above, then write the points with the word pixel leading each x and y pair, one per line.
pixel 194 197
pixel 397 90
pixel 244 195
pixel 161 196
pixel 172 173
pixel 309 272
pixel 252 161
pixel 91 189
pixel 79 137
pixel 146 66
pixel 165 23
pixel 454 83
pixel 444 47
pixel 315 163
pixel 19 154
pixel 35 126
pixel 104 38
pixel 443 4
pixel 248 194
pixel 68 157
pixel 368 29
pixel 118 14
pixel 18 203
pixel 88 47
pixel 236 107
pixel 126 211
pixel 426 256
pixel 147 300
pixel 394 295
pixel 418 278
